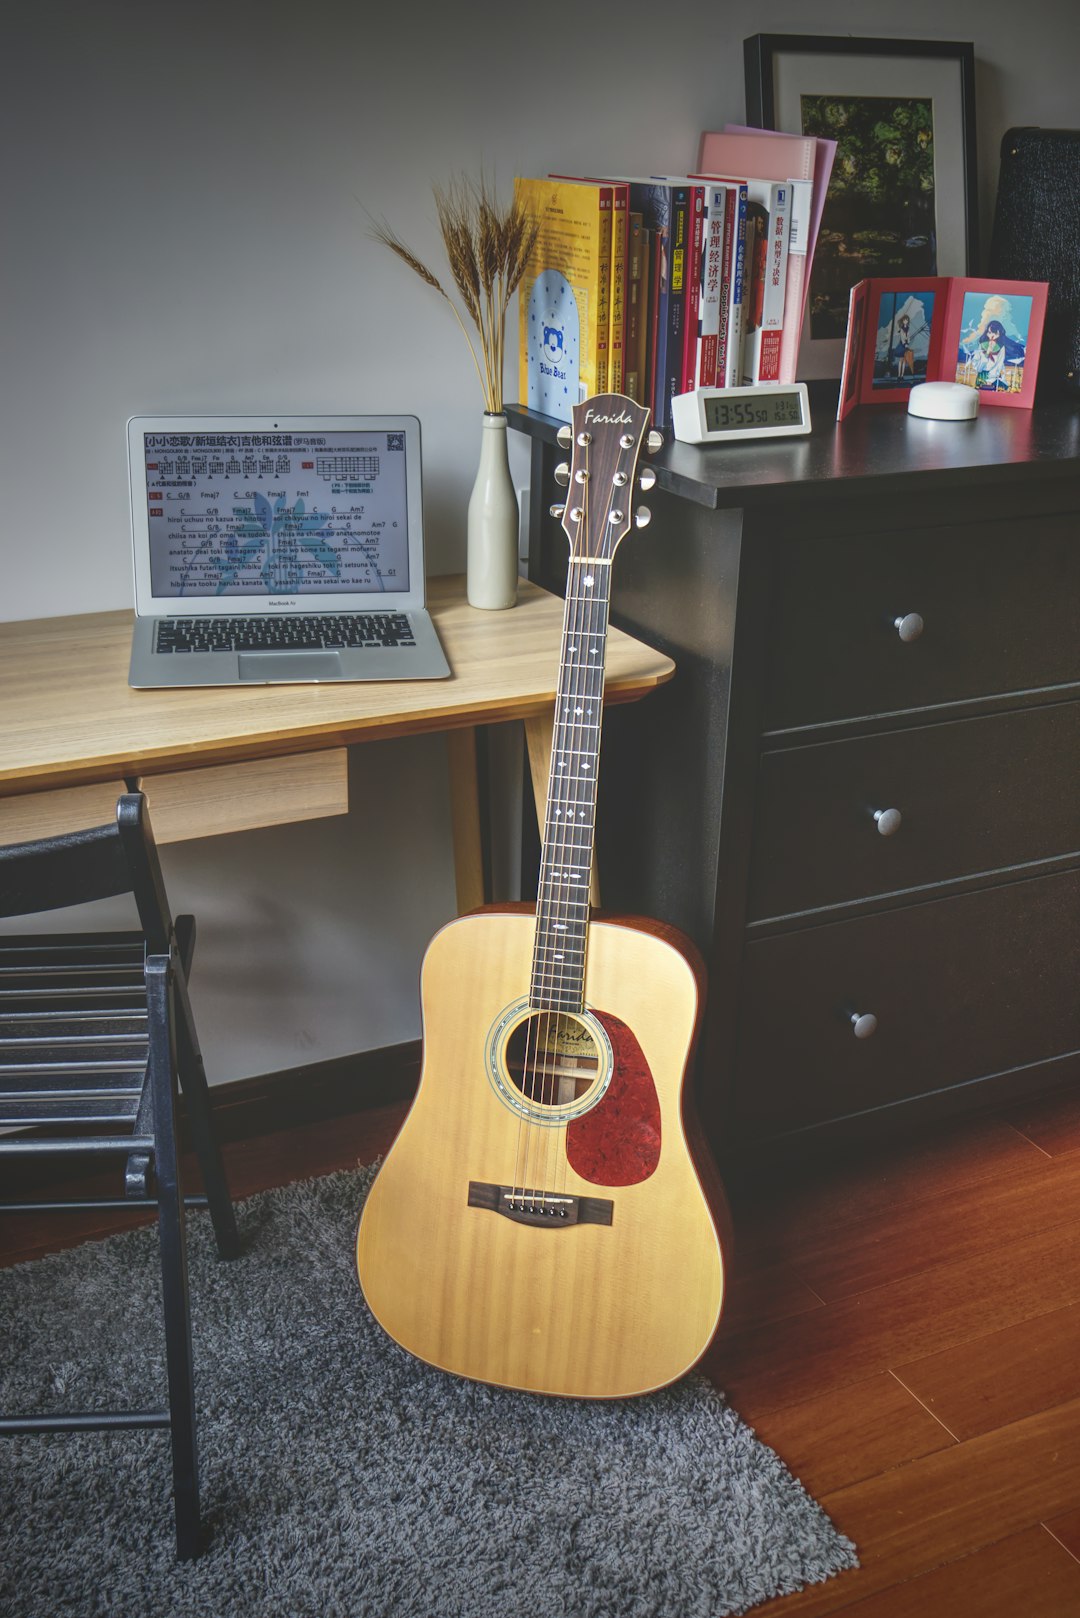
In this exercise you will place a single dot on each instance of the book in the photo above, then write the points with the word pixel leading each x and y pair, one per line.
pixel 620 225
pixel 657 285
pixel 761 360
pixel 787 158
pixel 695 227
pixel 669 379
pixel 984 334
pixel 564 298
pixel 711 282
pixel 637 308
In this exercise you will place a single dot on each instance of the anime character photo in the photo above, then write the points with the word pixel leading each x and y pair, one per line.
pixel 904 320
pixel 990 355
pixel 901 351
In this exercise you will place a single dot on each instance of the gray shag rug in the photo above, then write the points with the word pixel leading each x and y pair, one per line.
pixel 342 1478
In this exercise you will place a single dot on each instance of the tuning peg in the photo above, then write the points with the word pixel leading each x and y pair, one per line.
pixel 556 511
pixel 646 478
pixel 642 517
pixel 565 436
pixel 562 474
pixel 654 441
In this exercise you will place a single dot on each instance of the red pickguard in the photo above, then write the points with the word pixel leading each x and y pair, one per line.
pixel 618 1142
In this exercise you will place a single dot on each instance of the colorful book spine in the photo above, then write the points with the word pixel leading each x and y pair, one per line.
pixel 564 295
pixel 620 226
pixel 732 358
pixel 712 271
pixel 657 333
pixel 603 295
pixel 670 382
pixel 774 283
pixel 695 229
pixel 637 307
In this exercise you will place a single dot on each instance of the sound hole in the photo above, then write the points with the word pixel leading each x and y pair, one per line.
pixel 552 1058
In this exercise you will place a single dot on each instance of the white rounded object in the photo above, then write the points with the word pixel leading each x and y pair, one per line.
pixel 943 401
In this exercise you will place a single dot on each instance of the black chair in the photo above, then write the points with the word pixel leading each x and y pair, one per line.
pixel 96 1031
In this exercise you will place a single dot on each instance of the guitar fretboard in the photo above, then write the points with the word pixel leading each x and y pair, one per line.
pixel 562 908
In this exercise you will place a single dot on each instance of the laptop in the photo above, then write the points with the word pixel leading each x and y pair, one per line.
pixel 275 549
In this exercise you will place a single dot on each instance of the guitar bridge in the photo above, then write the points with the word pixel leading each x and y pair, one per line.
pixel 533 1207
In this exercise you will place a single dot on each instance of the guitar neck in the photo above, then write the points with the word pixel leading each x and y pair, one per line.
pixel 606 434
pixel 562 907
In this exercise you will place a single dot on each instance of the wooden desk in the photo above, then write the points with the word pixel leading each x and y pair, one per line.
pixel 213 760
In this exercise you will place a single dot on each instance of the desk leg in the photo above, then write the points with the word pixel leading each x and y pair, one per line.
pixel 465 819
pixel 538 733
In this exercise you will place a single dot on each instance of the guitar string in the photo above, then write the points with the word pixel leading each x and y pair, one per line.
pixel 560 890
pixel 561 930
pixel 556 888
pixel 540 1019
pixel 586 700
pixel 574 919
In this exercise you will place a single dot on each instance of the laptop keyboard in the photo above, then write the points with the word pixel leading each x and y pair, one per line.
pixel 331 632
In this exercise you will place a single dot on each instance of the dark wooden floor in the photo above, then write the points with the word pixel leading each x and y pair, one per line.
pixel 905 1331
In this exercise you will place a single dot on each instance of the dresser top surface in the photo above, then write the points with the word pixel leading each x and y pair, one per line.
pixel 872 454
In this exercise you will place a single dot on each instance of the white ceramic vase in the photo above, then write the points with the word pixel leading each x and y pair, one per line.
pixel 492 573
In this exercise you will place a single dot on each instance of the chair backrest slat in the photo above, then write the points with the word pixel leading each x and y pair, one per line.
pixel 59 871
pixel 97 863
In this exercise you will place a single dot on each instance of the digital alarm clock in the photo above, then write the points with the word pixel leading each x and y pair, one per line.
pixel 713 415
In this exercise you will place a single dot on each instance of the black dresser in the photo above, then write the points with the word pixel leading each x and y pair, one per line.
pixel 860 795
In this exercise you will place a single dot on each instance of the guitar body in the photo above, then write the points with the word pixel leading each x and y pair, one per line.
pixel 556 1241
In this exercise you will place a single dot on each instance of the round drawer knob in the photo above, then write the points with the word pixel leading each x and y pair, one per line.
pixel 888 821
pixel 909 626
pixel 863 1023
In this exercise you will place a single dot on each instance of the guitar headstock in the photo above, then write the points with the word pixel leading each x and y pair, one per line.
pixel 606 438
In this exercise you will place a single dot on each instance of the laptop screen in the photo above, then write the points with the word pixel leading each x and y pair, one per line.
pixel 234 514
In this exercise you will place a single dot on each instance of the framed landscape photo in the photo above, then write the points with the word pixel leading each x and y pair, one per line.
pixel 902 199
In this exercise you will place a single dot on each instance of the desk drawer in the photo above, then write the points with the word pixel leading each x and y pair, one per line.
pixel 972 795
pixel 961 988
pixel 62 810
pixel 221 798
pixel 1000 609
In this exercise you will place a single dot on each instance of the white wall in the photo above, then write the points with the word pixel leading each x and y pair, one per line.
pixel 183 229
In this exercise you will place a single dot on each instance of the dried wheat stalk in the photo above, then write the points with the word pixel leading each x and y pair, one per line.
pixel 487 249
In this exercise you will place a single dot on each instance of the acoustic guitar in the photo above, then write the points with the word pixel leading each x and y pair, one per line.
pixel 546 1219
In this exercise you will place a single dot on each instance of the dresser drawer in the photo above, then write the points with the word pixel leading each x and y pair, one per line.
pixel 961 988
pixel 844 820
pixel 999 606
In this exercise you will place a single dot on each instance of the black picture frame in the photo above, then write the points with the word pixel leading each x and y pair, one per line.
pixel 773 64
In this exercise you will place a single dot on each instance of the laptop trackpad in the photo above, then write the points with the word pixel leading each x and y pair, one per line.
pixel 278 668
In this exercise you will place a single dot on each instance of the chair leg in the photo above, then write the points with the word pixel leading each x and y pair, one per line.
pixel 174 1278
pixel 193 1083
